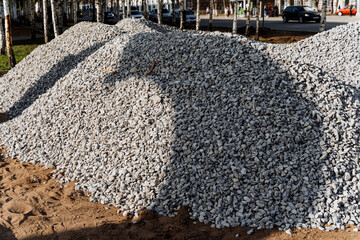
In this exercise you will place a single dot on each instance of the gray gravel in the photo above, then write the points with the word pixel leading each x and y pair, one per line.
pixel 244 133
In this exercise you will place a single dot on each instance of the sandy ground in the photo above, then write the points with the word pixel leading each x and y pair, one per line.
pixel 34 206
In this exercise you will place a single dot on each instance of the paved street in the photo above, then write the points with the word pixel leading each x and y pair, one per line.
pixel 277 24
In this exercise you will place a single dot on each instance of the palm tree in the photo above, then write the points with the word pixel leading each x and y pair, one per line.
pixel 247 29
pixel 235 18
pixel 2 36
pixel 323 16
pixel 54 17
pixel 9 50
pixel 257 19
pixel 45 20
pixel 211 14
pixel 197 15
pixel 159 11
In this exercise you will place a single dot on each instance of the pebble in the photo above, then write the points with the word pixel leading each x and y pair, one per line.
pixel 251 231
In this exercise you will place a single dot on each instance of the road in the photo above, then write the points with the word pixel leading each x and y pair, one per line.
pixel 277 24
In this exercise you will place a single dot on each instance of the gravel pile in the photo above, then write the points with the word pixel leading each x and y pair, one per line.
pixel 244 133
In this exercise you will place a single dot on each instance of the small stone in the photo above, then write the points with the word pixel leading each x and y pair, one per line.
pixel 250 231
pixel 289 231
pixel 355 229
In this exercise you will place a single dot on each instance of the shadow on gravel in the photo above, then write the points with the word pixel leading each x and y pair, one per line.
pixel 48 80
pixel 244 148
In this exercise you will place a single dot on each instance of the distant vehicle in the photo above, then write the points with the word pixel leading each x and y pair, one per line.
pixel 167 17
pixel 189 16
pixel 346 10
pixel 135 14
pixel 301 14
pixel 109 18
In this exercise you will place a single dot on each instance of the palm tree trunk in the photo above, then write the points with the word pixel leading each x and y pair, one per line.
pixel 181 3
pixel 235 18
pixel 45 20
pixel 247 29
pixel 54 18
pixel 159 11
pixel 32 19
pixel 323 16
pixel 75 9
pixel 197 15
pixel 100 11
pixel 257 19
pixel 9 50
pixel 211 14
pixel 2 36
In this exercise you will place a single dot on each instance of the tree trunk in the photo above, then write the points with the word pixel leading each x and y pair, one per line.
pixel 323 16
pixel 159 11
pixel 54 17
pixel 9 50
pixel 146 10
pixel 99 11
pixel 32 19
pixel 2 36
pixel 257 19
pixel 75 9
pixel 61 16
pixel 235 18
pixel 197 15
pixel 45 21
pixel 181 2
pixel 211 14
pixel 247 29
pixel 123 8
pixel 173 12
pixel 128 8
pixel 117 10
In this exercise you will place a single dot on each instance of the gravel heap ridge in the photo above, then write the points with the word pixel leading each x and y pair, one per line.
pixel 244 133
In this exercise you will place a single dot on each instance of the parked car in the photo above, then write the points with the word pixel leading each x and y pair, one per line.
pixel 301 14
pixel 135 14
pixel 189 16
pixel 167 17
pixel 109 18
pixel 346 10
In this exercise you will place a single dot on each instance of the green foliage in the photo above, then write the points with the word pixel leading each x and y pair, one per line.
pixel 21 49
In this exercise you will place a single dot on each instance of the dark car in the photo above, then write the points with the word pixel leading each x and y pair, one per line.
pixel 109 18
pixel 167 17
pixel 301 14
